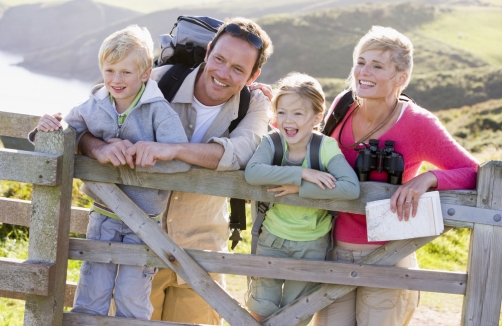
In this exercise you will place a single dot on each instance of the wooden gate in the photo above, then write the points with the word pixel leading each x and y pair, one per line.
pixel 41 279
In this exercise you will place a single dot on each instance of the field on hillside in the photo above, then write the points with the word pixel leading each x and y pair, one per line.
pixel 476 30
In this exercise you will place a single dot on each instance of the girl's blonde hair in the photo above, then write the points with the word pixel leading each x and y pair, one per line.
pixel 132 39
pixel 389 40
pixel 307 87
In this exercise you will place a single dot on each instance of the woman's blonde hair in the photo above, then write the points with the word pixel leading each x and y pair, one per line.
pixel 133 40
pixel 307 87
pixel 389 40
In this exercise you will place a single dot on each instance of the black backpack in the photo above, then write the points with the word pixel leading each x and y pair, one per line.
pixel 185 50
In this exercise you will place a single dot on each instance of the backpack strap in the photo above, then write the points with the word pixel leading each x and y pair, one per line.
pixel 170 82
pixel 245 98
pixel 338 113
pixel 238 206
pixel 315 152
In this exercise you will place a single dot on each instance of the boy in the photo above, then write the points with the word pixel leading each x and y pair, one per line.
pixel 128 106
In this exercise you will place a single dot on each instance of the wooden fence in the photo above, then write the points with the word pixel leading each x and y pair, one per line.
pixel 41 280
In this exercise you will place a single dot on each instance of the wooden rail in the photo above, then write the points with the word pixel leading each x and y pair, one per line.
pixel 41 279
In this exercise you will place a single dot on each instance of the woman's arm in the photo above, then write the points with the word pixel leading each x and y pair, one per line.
pixel 457 169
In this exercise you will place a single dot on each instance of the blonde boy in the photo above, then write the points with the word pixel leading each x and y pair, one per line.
pixel 130 107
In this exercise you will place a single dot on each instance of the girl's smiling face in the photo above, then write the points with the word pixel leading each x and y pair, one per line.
pixel 296 119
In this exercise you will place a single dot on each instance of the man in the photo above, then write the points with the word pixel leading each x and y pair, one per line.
pixel 206 103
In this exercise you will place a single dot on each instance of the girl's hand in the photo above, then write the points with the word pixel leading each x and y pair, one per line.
pixel 285 190
pixel 321 179
pixel 407 195
pixel 50 122
pixel 265 88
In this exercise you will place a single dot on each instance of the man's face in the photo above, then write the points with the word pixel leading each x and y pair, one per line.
pixel 228 69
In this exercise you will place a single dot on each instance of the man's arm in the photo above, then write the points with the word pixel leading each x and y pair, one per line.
pixel 221 153
pixel 147 153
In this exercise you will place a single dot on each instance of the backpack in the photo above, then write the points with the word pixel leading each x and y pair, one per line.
pixel 341 109
pixel 185 50
pixel 314 162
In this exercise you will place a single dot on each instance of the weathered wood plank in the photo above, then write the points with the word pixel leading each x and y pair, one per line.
pixel 16 124
pixel 291 269
pixel 229 184
pixel 49 229
pixel 323 295
pixel 25 277
pixel 171 254
pixel 68 297
pixel 72 319
pixel 484 287
pixel 17 212
pixel 30 167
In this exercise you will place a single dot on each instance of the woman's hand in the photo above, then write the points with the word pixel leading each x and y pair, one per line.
pixel 50 122
pixel 322 179
pixel 407 195
pixel 285 190
pixel 265 88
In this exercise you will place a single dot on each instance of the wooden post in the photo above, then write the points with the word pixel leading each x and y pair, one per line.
pixel 484 282
pixel 50 229
pixel 172 254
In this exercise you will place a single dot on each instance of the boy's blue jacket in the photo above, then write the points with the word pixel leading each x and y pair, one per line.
pixel 152 119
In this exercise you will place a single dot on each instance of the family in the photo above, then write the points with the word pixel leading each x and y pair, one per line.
pixel 127 121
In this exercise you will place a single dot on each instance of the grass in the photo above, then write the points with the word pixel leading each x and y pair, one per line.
pixel 477 30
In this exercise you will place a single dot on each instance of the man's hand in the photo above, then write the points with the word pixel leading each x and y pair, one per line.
pixel 145 153
pixel 285 190
pixel 114 152
pixel 322 179
pixel 50 122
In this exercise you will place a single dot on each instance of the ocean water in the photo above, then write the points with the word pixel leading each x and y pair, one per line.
pixel 26 92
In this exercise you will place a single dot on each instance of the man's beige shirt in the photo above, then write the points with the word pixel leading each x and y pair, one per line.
pixel 198 221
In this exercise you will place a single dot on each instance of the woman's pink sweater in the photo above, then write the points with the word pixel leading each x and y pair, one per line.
pixel 420 137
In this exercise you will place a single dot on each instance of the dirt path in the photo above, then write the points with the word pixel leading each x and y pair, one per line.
pixel 428 316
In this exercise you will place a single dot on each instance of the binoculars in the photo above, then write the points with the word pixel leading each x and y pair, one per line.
pixel 381 159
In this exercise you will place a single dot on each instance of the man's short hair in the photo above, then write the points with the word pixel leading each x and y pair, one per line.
pixel 250 27
pixel 132 39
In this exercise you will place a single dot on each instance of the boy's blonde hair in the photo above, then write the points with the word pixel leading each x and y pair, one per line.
pixel 132 39
pixel 307 87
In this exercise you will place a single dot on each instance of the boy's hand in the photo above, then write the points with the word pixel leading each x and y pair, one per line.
pixel 113 152
pixel 50 122
pixel 285 190
pixel 321 179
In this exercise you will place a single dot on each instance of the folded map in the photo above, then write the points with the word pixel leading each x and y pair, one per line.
pixel 384 225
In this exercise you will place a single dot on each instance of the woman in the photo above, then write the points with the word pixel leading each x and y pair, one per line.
pixel 383 61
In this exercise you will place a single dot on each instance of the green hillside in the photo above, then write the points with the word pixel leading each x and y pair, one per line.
pixel 477 30
pixel 477 128
pixel 321 43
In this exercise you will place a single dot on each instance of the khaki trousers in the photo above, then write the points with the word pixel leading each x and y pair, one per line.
pixel 179 302
pixel 368 306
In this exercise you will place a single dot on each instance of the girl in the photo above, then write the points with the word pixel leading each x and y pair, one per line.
pixel 291 231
